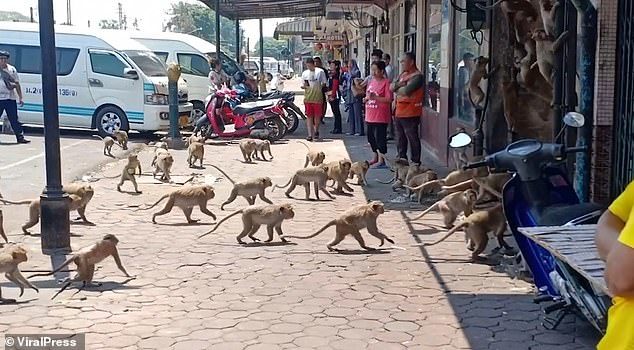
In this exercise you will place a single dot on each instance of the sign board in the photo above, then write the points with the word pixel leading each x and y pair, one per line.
pixel 329 37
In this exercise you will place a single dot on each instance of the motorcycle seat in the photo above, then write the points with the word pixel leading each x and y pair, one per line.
pixel 246 108
pixel 557 215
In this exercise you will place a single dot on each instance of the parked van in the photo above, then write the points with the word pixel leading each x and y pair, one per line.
pixel 192 54
pixel 106 80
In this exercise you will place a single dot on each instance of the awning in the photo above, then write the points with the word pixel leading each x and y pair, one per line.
pixel 254 9
pixel 302 27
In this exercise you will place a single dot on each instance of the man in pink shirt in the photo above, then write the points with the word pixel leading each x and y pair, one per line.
pixel 378 112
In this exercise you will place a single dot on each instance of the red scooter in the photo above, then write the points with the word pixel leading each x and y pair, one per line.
pixel 226 117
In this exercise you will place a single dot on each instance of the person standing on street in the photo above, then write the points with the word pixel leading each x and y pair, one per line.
pixel 378 112
pixel 333 94
pixel 314 81
pixel 320 65
pixel 409 90
pixel 353 101
pixel 389 73
pixel 11 95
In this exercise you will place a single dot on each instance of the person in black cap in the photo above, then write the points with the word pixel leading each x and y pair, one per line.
pixel 11 95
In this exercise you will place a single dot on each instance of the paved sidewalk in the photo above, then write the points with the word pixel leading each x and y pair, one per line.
pixel 215 294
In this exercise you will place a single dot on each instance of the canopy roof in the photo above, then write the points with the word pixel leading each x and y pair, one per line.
pixel 254 9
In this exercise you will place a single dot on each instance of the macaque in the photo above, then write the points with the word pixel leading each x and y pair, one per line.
pixel 429 187
pixel 351 222
pixel 313 157
pixel 360 169
pixel 247 147
pixel 196 152
pixel 318 175
pixel 128 172
pixel 122 138
pixel 108 142
pixel 339 171
pixel 86 259
pixel 249 189
pixel 400 167
pixel 272 215
pixel 163 163
pixel 186 198
pixel 480 72
pixel 548 9
pixel 546 47
pixel 452 205
pixel 10 257
pixel 261 146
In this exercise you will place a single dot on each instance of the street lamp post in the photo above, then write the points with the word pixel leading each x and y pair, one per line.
pixel 55 226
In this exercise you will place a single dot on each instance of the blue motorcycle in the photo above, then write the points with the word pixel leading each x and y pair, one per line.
pixel 540 194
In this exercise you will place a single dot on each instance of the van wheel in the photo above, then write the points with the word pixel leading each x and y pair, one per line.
pixel 111 119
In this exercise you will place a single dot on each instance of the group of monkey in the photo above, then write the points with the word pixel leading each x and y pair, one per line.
pixel 461 189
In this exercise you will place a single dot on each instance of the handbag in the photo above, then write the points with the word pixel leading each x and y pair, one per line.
pixel 357 91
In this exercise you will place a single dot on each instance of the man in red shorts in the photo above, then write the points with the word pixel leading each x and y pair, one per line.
pixel 314 81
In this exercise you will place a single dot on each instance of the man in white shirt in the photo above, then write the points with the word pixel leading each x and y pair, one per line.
pixel 11 95
pixel 389 69
pixel 313 82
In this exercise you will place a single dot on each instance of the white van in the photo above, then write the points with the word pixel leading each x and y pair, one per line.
pixel 191 53
pixel 106 80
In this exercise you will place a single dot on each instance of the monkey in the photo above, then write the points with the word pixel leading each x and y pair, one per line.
pixel 360 169
pixel 351 222
pixel 196 152
pixel 477 226
pixel 122 138
pixel 86 192
pixel 86 259
pixel 163 162
pixel 186 198
pixel 157 152
pixel 510 99
pixel 194 138
pixel 77 202
pixel 419 180
pixel 248 189
pixel 10 257
pixel 303 177
pixel 2 233
pixel 493 184
pixel 452 205
pixel 247 147
pixel 128 172
pixel 546 47
pixel 412 171
pixel 429 187
pixel 313 157
pixel 548 9
pixel 460 153
pixel 272 215
pixel 108 142
pixel 531 78
pixel 339 171
pixel 480 72
pixel 521 8
pixel 162 145
pixel 261 146
pixel 459 187
pixel 457 176
pixel 400 167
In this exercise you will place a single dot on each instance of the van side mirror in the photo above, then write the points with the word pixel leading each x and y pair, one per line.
pixel 130 73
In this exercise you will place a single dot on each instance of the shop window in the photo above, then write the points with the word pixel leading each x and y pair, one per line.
pixel 433 52
pixel 466 50
pixel 410 26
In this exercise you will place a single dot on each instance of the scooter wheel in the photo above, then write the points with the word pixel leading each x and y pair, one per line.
pixel 292 120
pixel 277 127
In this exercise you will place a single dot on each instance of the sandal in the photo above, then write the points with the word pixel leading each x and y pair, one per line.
pixel 380 166
pixel 373 161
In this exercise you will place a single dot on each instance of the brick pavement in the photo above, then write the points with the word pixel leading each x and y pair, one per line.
pixel 214 294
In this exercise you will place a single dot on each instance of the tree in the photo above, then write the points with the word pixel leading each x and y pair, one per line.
pixel 272 47
pixel 13 16
pixel 109 24
pixel 200 21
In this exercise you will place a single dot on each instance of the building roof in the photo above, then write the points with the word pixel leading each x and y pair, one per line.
pixel 254 9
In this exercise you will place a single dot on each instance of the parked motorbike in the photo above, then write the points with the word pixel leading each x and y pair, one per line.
pixel 228 118
pixel 292 112
pixel 540 194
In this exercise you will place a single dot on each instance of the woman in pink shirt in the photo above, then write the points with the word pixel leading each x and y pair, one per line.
pixel 378 112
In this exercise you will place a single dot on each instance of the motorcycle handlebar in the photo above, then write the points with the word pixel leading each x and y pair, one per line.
pixel 576 149
pixel 475 165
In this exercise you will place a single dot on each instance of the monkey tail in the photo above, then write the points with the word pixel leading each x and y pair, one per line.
pixel 278 186
pixel 331 223
pixel 386 182
pixel 66 263
pixel 156 203
pixel 451 232
pixel 6 201
pixel 305 145
pixel 98 136
pixel 459 185
pixel 221 221
pixel 223 173
pixel 426 211
pixel 490 7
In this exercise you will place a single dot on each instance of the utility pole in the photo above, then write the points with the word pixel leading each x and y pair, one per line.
pixel 120 15
pixel 68 13
pixel 32 17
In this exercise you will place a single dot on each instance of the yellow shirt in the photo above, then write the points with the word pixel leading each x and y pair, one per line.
pixel 620 332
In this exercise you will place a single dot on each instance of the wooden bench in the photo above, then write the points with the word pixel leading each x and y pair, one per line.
pixel 575 246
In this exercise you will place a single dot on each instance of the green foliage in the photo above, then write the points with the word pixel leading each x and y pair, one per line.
pixel 13 16
pixel 109 24
pixel 272 47
pixel 200 21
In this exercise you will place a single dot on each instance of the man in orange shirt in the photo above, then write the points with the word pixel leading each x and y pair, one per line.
pixel 409 91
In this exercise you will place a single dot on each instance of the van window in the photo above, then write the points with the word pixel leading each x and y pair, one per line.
pixel 27 59
pixel 162 55
pixel 107 63
pixel 229 66
pixel 148 63
pixel 193 64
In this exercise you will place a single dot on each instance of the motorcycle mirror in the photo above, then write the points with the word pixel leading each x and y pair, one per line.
pixel 461 139
pixel 574 119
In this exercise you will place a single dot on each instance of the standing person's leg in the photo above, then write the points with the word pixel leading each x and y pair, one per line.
pixel 381 140
pixel 334 105
pixel 372 142
pixel 310 115
pixel 11 107
pixel 351 120
pixel 401 138
pixel 324 108
pixel 318 117
pixel 411 132
pixel 358 118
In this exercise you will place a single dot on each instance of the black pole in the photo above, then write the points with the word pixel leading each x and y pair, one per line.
pixel 558 76
pixel 55 226
pixel 262 77
pixel 238 41
pixel 218 56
